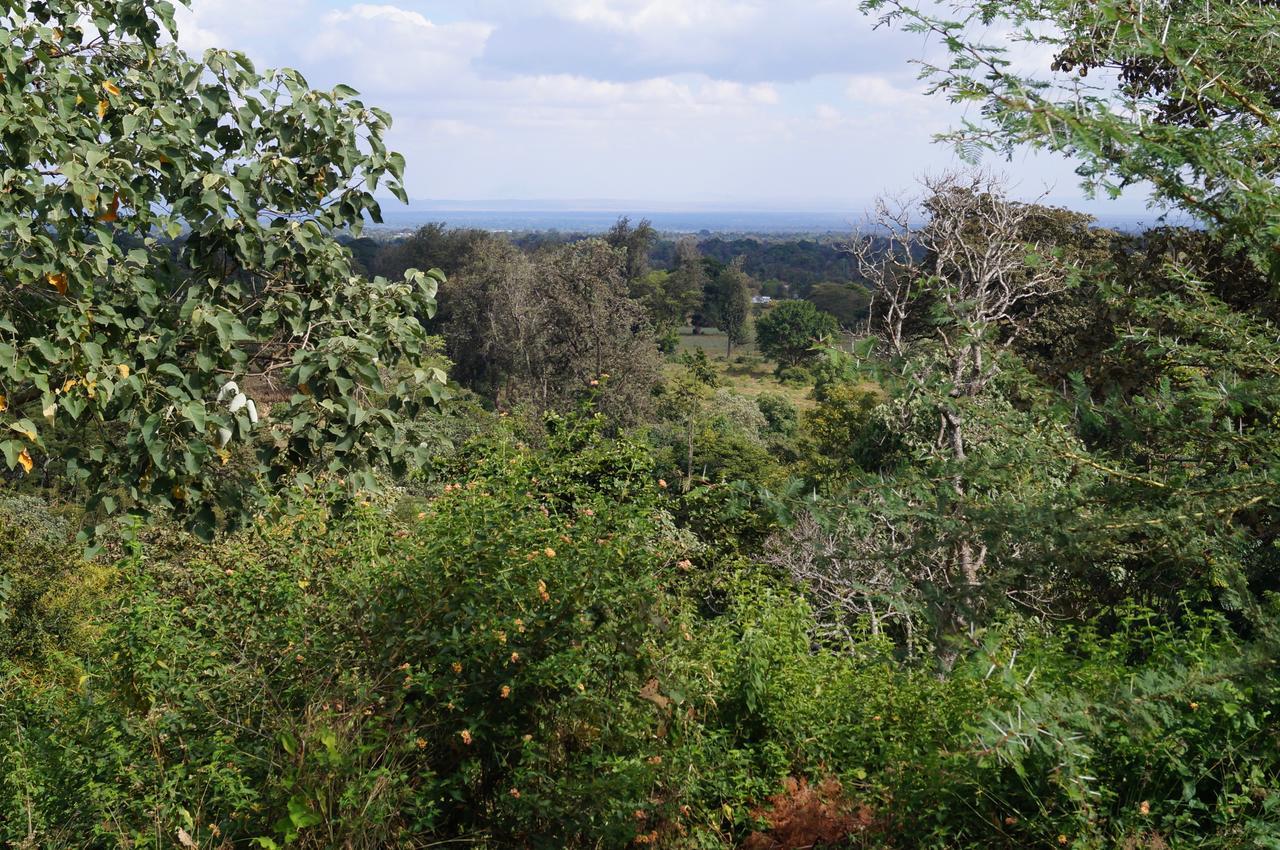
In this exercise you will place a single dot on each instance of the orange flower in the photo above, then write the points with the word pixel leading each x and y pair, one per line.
pixel 542 591
pixel 1144 808
pixel 515 658
pixel 457 666
pixel 422 743
pixel 662 482
pixel 515 792
pixel 506 691
pixel 549 552
pixel 465 735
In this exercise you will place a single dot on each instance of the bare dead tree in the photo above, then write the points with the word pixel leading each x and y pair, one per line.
pixel 983 270
pixel 886 256
pixel 952 268
pixel 864 573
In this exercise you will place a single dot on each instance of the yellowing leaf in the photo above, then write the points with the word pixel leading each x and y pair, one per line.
pixel 123 370
pixel 112 214
pixel 103 106
pixel 4 404
pixel 59 282
pixel 69 385
pixel 110 88
pixel 25 461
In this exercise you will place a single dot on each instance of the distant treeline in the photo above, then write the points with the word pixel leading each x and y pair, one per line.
pixel 799 263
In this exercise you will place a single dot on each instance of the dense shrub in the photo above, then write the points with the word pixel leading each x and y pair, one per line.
pixel 553 651
pixel 481 671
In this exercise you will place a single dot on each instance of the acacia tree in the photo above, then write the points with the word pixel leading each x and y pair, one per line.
pixel 1180 99
pixel 1180 96
pixel 166 228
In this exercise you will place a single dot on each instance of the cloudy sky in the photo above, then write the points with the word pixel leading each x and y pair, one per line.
pixel 760 103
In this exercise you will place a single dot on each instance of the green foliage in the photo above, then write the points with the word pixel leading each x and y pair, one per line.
pixel 779 412
pixel 1146 735
pixel 1183 98
pixel 680 294
pixel 115 342
pixel 542 330
pixel 482 671
pixel 730 304
pixel 46 591
pixel 790 332
pixel 432 246
pixel 849 303
pixel 844 435
pixel 636 242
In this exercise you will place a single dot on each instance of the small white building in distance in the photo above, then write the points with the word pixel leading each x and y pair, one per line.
pixel 761 299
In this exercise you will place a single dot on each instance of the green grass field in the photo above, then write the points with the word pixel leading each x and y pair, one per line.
pixel 747 373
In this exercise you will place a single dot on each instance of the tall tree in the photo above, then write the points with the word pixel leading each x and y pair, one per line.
pixel 636 243
pixel 689 279
pixel 432 246
pixel 969 267
pixel 734 297
pixel 166 229
pixel 541 330
pixel 850 303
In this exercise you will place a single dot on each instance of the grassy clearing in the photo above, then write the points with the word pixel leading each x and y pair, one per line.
pixel 747 373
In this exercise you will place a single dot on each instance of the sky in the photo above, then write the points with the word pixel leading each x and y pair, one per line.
pixel 762 104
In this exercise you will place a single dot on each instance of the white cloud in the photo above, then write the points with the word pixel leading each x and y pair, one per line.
pixel 658 16
pixel 748 100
